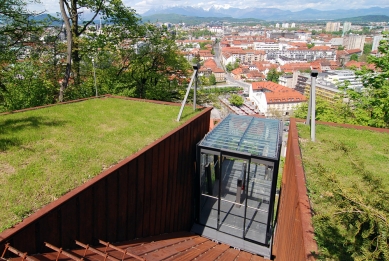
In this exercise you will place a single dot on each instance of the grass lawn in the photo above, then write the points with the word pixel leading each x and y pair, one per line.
pixel 47 152
pixel 347 174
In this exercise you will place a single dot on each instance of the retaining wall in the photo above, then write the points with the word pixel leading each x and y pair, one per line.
pixel 146 194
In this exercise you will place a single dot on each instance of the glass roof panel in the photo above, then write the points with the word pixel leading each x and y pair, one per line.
pixel 257 136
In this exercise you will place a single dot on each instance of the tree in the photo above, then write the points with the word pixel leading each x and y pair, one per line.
pixel 273 75
pixel 156 69
pixel 123 19
pixel 367 48
pixel 310 45
pixel 236 100
pixel 212 79
pixel 372 103
pixel 354 57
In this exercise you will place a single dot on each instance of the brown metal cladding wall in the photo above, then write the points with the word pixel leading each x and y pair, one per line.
pixel 294 232
pixel 148 193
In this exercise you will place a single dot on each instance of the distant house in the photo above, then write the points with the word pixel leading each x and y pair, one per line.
pixel 274 99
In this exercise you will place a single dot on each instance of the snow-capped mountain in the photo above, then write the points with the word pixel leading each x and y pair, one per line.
pixel 265 13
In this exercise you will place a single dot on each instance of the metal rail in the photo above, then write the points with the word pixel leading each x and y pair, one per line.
pixel 11 249
pixel 63 252
pixel 125 252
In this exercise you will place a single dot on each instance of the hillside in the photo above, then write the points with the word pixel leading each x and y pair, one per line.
pixel 193 20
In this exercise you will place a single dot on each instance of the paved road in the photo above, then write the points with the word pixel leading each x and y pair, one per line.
pixel 230 80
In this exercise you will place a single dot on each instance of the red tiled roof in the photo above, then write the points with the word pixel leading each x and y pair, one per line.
pixel 278 93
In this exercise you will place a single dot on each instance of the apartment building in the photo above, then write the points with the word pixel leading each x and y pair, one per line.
pixel 323 89
pixel 332 26
pixel 354 42
pixel 303 54
pixel 346 27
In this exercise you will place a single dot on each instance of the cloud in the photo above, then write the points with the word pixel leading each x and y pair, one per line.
pixel 142 6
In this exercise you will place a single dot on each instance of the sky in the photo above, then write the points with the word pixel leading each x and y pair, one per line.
pixel 141 6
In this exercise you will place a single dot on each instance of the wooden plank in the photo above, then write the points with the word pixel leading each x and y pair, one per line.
pixel 70 223
pixel 155 190
pixel 165 211
pixel 123 192
pixel 257 258
pixel 86 217
pixel 230 254
pixel 188 172
pixel 175 196
pixel 171 251
pixel 214 253
pixel 50 228
pixel 170 195
pixel 156 245
pixel 159 227
pixel 244 256
pixel 147 195
pixel 195 251
pixel 25 240
pixel 140 195
pixel 132 196
pixel 100 210
pixel 112 206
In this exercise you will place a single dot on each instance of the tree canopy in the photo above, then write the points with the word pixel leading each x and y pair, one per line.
pixel 368 107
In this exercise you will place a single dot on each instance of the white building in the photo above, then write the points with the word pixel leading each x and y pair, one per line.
pixel 273 99
pixel 346 27
pixel 354 42
pixel 332 27
pixel 376 42
pixel 339 77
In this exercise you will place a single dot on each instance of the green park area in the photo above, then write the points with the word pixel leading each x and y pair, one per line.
pixel 348 186
pixel 47 152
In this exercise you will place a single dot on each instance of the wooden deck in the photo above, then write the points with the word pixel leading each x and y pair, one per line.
pixel 173 246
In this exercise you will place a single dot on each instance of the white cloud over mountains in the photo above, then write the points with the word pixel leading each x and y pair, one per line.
pixel 141 6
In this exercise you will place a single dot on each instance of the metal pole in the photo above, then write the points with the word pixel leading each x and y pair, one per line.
pixel 309 106
pixel 314 74
pixel 186 96
pixel 194 92
pixel 94 74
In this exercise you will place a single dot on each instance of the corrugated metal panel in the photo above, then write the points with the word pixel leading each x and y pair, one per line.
pixel 294 208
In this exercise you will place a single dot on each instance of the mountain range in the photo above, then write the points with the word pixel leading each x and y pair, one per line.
pixel 269 14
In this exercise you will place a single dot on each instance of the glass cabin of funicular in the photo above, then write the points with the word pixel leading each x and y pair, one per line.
pixel 237 169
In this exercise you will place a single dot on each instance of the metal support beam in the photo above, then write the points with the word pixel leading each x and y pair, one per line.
pixel 194 75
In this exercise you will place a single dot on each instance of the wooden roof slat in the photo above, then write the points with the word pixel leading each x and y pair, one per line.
pixel 98 252
pixel 244 256
pixel 63 252
pixel 194 251
pixel 257 258
pixel 140 241
pixel 230 254
pixel 149 247
pixel 214 253
pixel 170 251
pixel 124 252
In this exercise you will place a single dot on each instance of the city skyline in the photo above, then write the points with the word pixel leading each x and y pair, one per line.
pixel 142 6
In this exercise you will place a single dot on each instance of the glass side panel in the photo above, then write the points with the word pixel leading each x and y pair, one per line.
pixel 258 200
pixel 209 190
pixel 233 196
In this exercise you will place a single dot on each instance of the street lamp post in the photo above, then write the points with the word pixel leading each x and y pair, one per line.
pixel 314 74
pixel 94 74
